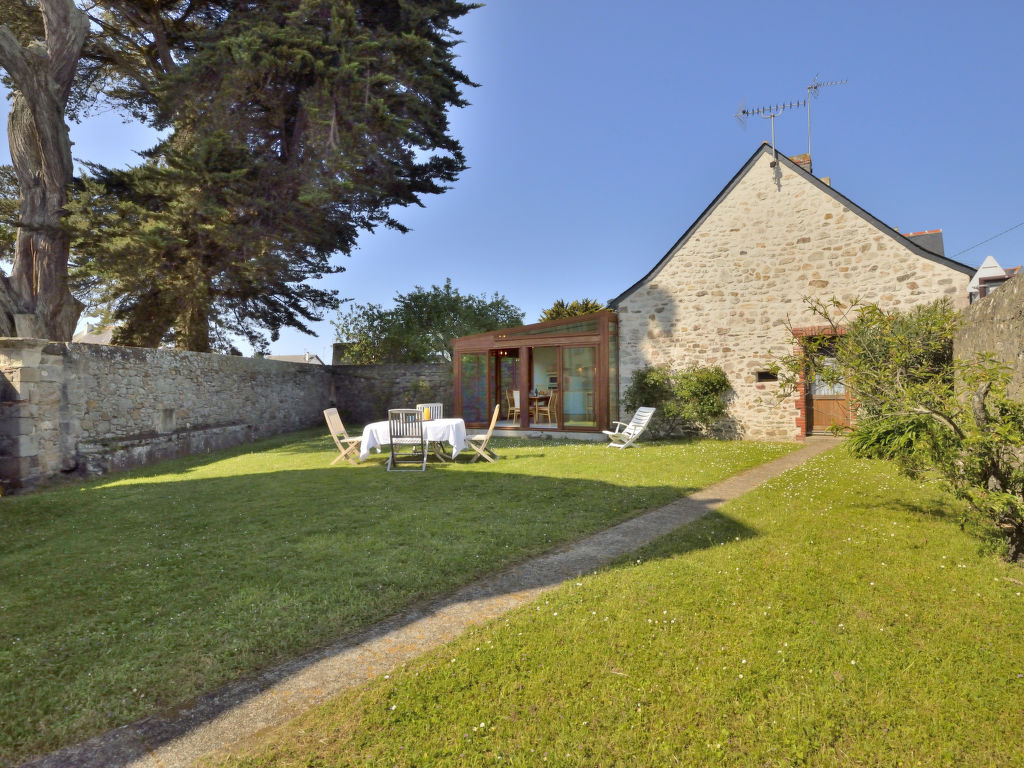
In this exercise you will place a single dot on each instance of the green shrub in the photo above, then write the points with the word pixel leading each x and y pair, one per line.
pixel 687 401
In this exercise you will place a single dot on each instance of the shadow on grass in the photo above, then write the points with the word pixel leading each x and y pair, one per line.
pixel 711 530
pixel 429 509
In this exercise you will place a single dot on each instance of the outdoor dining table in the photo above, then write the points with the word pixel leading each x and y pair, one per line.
pixel 451 431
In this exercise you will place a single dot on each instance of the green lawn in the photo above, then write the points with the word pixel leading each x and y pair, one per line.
pixel 129 594
pixel 835 617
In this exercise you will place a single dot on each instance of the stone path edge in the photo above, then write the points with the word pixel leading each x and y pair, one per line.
pixel 237 712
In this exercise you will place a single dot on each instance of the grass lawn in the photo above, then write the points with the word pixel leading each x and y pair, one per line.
pixel 132 593
pixel 835 617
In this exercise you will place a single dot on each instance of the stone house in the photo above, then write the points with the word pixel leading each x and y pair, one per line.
pixel 733 289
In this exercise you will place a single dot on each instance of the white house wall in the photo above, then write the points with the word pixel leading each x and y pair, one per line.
pixel 724 295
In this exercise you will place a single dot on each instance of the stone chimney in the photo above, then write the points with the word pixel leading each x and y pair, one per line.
pixel 804 161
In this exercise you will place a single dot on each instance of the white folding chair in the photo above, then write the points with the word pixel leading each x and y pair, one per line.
pixel 624 435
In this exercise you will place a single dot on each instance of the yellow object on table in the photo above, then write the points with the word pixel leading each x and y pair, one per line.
pixel 426 414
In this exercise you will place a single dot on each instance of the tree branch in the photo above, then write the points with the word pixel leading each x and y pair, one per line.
pixel 14 58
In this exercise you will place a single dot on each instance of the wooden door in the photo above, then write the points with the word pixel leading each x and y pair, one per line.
pixel 828 404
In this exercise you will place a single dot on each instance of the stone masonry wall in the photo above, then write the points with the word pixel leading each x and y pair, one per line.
pixel 85 409
pixel 367 391
pixel 725 295
pixel 995 325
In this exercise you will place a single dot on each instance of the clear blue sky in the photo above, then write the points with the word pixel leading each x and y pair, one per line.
pixel 601 130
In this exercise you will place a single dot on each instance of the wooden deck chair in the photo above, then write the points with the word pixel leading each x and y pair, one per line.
pixel 624 435
pixel 408 445
pixel 348 447
pixel 479 442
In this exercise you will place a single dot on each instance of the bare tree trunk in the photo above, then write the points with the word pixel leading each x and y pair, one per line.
pixel 42 71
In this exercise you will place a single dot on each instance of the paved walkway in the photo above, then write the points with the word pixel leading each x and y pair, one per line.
pixel 234 714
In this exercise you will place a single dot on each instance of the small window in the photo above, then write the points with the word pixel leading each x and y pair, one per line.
pixel 766 376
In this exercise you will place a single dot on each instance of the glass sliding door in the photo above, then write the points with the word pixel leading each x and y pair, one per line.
pixel 506 382
pixel 579 380
pixel 543 394
pixel 473 374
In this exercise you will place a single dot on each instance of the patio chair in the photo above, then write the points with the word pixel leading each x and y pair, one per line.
pixel 348 447
pixel 549 409
pixel 624 435
pixel 431 410
pixel 479 442
pixel 408 445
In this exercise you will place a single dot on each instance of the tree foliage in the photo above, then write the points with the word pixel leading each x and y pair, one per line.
pixel 8 213
pixel 421 325
pixel 935 416
pixel 292 126
pixel 575 308
pixel 687 401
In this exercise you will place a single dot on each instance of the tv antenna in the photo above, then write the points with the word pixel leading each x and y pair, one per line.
pixel 769 112
pixel 812 92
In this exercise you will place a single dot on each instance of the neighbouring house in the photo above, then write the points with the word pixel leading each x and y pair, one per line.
pixel 304 358
pixel 990 275
pixel 733 290
pixel 94 334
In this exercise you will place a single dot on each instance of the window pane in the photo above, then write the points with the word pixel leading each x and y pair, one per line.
pixel 579 381
pixel 474 387
pixel 613 379
pixel 819 387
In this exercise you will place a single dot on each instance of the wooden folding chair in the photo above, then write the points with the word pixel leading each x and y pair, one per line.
pixel 408 443
pixel 348 447
pixel 479 442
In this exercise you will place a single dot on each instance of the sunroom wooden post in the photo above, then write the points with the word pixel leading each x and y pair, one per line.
pixel 524 387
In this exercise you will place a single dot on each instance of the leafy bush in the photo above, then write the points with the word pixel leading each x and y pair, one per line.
pixel 931 414
pixel 688 401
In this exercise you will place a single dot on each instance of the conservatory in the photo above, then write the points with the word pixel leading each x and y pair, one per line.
pixel 558 375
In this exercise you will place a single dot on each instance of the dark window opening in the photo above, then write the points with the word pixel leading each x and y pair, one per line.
pixel 766 376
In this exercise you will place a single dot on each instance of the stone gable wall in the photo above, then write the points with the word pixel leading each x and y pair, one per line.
pixel 86 409
pixel 995 325
pixel 725 295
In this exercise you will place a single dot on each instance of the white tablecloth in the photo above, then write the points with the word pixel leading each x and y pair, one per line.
pixel 451 431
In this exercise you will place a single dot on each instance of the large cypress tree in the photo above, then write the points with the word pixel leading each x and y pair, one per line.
pixel 293 126
pixel 40 46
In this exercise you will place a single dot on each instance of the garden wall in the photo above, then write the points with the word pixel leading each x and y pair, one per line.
pixel 995 325
pixel 86 409
pixel 365 392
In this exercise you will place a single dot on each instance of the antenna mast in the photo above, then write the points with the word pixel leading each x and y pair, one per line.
pixel 812 91
pixel 769 113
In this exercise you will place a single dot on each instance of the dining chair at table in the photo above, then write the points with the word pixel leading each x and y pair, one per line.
pixel 549 408
pixel 348 447
pixel 408 444
pixel 513 411
pixel 431 410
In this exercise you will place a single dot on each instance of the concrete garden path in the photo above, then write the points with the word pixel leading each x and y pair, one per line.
pixel 234 714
